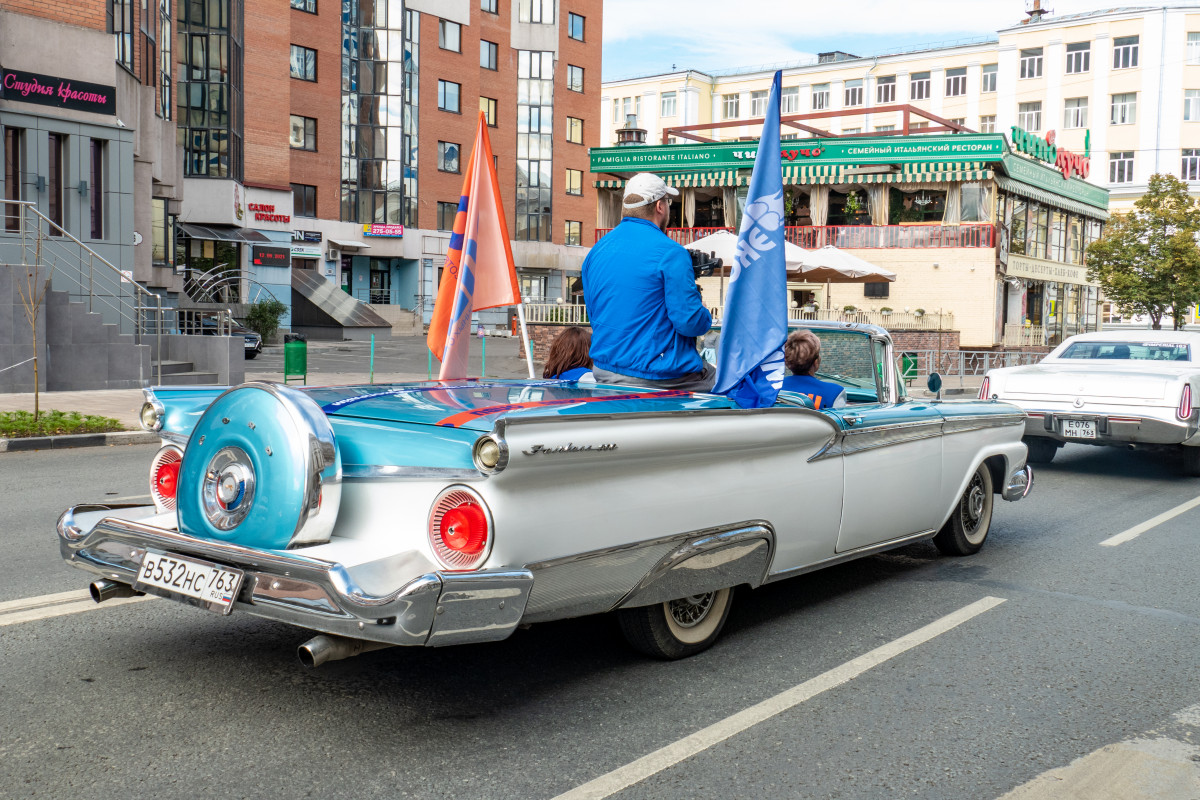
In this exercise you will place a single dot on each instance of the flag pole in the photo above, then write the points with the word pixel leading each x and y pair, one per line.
pixel 525 337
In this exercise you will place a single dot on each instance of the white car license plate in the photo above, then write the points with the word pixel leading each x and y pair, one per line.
pixel 1079 428
pixel 189 579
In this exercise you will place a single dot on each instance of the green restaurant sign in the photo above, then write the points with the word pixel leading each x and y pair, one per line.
pixel 837 152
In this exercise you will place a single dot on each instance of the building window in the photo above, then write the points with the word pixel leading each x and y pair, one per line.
pixel 120 23
pixel 304 63
pixel 885 89
pixel 959 121
pixel 666 106
pixel 918 126
pixel 758 104
pixel 574 78
pixel 575 26
pixel 1191 105
pixel 573 235
pixel 56 155
pixel 490 6
pixel 876 289
pixel 488 54
pixel 1124 108
pixel 851 131
pixel 535 147
pixel 449 35
pixel 1120 167
pixel 446 213
pixel 918 87
pixel 1029 116
pixel 956 82
pixel 10 169
pixel 447 156
pixel 574 130
pixel 632 107
pixel 1031 63
pixel 820 97
pixel 988 83
pixel 305 5
pixel 1191 165
pixel 575 181
pixel 96 189
pixel 987 123
pixel 166 63
pixel 488 106
pixel 304 200
pixel 1193 49
pixel 885 127
pixel 448 93
pixel 209 103
pixel 1076 114
pixel 729 106
pixel 162 239
pixel 1125 52
pixel 537 11
pixel 1079 57
pixel 854 93
pixel 304 133
pixel 782 136
pixel 789 100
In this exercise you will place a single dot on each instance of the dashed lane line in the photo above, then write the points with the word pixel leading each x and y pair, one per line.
pixel 622 778
pixel 29 609
pixel 1138 530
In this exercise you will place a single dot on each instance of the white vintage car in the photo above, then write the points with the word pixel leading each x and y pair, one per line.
pixel 446 512
pixel 1135 388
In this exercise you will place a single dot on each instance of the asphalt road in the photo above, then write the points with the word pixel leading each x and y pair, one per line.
pixel 1092 654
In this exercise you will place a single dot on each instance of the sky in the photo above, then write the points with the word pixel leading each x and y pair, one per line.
pixel 648 37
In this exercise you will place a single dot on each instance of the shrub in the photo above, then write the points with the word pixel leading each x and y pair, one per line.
pixel 263 317
pixel 17 424
pixel 848 309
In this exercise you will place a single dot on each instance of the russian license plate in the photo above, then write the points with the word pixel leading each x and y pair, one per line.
pixel 1079 428
pixel 194 581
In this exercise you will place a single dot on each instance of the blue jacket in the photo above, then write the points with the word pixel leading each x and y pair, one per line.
pixel 643 303
pixel 823 393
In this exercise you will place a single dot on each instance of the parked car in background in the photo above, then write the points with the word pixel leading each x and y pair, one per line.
pixel 1134 388
pixel 253 342
pixel 440 513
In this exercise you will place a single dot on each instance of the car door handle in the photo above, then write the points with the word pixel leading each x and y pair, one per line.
pixel 851 419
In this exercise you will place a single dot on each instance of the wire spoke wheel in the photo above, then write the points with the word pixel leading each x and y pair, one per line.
pixel 967 529
pixel 677 628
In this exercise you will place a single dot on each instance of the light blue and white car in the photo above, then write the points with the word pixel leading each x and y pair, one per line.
pixel 442 513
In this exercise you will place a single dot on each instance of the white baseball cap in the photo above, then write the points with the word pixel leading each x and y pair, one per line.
pixel 647 186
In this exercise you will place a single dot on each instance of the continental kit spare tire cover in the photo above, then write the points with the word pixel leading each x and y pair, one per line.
pixel 261 469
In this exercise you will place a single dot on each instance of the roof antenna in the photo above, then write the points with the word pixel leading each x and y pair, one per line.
pixel 1035 11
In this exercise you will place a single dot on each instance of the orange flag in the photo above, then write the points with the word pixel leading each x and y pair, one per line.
pixel 479 270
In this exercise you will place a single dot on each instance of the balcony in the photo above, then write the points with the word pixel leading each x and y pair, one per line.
pixel 864 237
pixel 572 314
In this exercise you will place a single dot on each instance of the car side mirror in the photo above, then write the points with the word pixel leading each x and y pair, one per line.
pixel 934 383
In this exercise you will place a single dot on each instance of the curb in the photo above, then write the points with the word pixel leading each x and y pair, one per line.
pixel 77 440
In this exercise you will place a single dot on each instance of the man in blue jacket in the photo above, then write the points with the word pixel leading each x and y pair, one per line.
pixel 642 298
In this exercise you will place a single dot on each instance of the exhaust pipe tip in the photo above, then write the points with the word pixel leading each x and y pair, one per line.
pixel 321 649
pixel 105 589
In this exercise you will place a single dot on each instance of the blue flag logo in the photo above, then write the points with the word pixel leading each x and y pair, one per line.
pixel 754 325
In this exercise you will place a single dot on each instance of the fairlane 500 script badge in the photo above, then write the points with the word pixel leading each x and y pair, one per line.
pixel 542 450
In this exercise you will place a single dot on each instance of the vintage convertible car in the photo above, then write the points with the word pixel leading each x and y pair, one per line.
pixel 1123 388
pixel 440 513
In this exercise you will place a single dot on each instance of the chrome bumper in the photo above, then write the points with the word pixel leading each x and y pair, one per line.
pixel 1019 484
pixel 423 607
pixel 1116 427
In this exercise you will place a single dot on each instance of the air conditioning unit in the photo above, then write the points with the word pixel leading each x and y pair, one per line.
pixel 334 254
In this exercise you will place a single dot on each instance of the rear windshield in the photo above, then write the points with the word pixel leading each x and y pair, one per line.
pixel 1137 351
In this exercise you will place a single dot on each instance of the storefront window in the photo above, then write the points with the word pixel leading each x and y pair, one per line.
pixel 796 206
pixel 1058 236
pixel 849 208
pixel 975 203
pixel 923 205
pixel 1020 228
pixel 1039 230
pixel 1074 240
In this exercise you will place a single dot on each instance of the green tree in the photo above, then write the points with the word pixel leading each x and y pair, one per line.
pixel 263 317
pixel 1148 261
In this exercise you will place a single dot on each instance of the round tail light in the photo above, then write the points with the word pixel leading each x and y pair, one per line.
pixel 984 387
pixel 164 477
pixel 460 529
pixel 1185 403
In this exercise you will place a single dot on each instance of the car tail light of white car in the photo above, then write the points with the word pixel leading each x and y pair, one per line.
pixel 984 388
pixel 164 477
pixel 460 529
pixel 1185 403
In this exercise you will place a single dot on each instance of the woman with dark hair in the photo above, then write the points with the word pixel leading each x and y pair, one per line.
pixel 802 355
pixel 569 359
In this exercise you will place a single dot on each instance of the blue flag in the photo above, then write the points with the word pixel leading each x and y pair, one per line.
pixel 754 324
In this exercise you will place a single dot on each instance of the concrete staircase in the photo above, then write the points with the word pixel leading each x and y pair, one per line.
pixel 183 373
pixel 84 352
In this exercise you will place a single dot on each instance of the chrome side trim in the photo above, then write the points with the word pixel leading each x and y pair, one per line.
pixel 856 441
pixel 850 555
pixel 975 423
pixel 373 472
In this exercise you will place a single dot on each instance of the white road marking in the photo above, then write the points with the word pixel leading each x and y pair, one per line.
pixel 13 612
pixel 648 765
pixel 1138 530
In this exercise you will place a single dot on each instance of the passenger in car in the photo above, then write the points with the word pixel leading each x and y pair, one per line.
pixel 568 359
pixel 802 355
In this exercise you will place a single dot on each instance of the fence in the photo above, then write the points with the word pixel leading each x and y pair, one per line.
pixel 1018 335
pixel 962 363
pixel 556 313
pixel 570 314
pixel 863 237
pixel 382 297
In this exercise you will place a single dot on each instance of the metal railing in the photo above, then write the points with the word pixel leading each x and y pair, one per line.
pixel 962 363
pixel 552 313
pixel 569 314
pixel 1018 335
pixel 29 238
pixel 381 297
pixel 864 237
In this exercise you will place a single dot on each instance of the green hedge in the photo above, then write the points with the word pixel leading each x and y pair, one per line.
pixel 17 424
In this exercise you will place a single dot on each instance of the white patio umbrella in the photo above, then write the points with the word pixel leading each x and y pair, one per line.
pixel 831 265
pixel 723 244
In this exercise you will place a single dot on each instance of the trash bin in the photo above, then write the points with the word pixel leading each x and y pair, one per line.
pixel 295 361
pixel 908 365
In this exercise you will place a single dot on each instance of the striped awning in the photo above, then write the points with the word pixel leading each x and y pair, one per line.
pixel 799 174
pixel 707 178
pixel 1049 198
